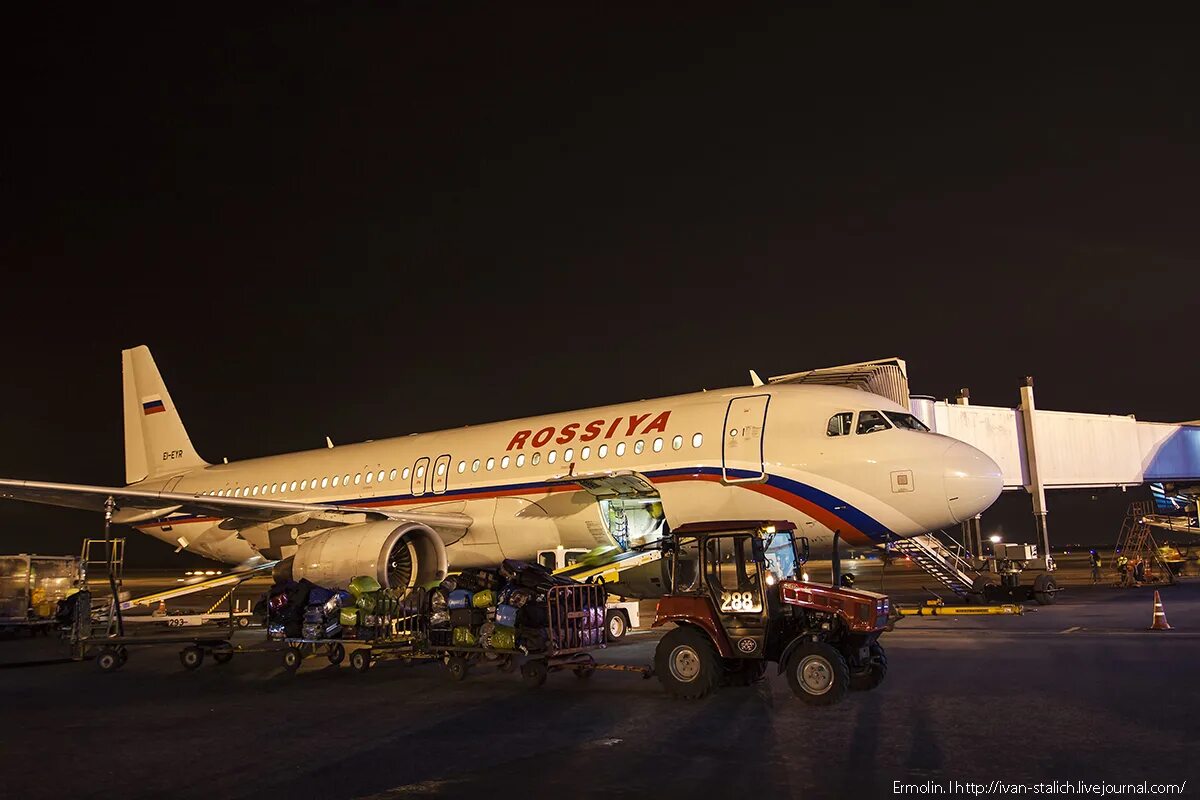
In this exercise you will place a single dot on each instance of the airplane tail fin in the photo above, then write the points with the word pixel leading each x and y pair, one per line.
pixel 156 442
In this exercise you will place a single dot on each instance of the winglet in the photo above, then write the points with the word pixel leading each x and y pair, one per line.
pixel 755 380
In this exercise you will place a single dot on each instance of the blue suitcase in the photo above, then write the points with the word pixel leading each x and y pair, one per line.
pixel 459 598
pixel 506 615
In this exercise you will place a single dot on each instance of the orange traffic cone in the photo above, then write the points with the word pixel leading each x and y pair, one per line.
pixel 1160 617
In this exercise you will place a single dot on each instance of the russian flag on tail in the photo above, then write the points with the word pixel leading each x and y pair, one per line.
pixel 152 405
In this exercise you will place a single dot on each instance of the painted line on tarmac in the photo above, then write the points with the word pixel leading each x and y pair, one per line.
pixel 1072 629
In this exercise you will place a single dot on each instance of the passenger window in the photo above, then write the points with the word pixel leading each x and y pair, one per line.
pixel 358 478
pixel 475 465
pixel 639 446
pixel 677 442
pixel 620 449
pixel 551 457
pixel 293 486
pixel 504 462
pixel 379 477
pixel 254 492
pixel 420 472
pixel 871 422
pixel 521 460
pixel 491 462
pixel 462 467
pixel 346 480
pixel 535 459
pixel 568 453
pixel 698 440
pixel 405 473
pixel 658 445
pixel 370 476
pixel 585 453
pixel 840 424
pixel 274 488
pixel 441 469
pixel 602 451
pixel 304 485
pixel 336 480
pixel 324 483
pixel 392 474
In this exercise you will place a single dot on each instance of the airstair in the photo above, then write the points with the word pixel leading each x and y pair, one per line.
pixel 945 560
pixel 1136 541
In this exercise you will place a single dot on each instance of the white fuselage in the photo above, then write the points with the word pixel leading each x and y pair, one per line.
pixel 747 453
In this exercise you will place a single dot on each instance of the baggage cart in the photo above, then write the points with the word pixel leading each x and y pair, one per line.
pixel 401 635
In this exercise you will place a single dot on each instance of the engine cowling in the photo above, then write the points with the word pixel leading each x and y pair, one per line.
pixel 397 554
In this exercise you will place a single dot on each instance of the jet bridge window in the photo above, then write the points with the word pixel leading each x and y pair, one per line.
pixel 840 424
pixel 871 422
pixel 905 421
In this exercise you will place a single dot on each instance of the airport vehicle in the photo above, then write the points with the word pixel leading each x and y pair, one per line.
pixel 620 615
pixel 30 588
pixel 737 605
pixel 1000 579
pixel 843 462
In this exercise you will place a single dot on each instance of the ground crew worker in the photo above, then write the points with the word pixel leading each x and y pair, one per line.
pixel 1095 567
pixel 1123 569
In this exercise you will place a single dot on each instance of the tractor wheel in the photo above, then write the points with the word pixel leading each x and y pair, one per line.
pixel 616 626
pixel 872 675
pixel 1045 590
pixel 337 654
pixel 744 671
pixel 817 674
pixel 191 657
pixel 687 664
pixel 360 659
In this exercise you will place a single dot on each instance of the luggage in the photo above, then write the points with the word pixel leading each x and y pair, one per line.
pixel 503 638
pixel 437 600
pixel 462 637
pixel 314 614
pixel 366 602
pixel 276 631
pixel 466 617
pixel 332 605
pixel 506 616
pixel 318 596
pixel 533 615
pixel 363 584
pixel 520 596
pixel 312 630
pixel 348 616
pixel 439 619
pixel 459 598
pixel 484 599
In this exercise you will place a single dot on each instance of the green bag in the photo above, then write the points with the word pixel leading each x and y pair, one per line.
pixel 484 599
pixel 368 603
pixel 463 637
pixel 348 617
pixel 363 584
pixel 504 638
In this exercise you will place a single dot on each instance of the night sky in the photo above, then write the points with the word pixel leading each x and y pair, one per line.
pixel 359 224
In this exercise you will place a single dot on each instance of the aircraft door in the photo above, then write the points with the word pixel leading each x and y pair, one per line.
pixel 420 476
pixel 441 474
pixel 742 444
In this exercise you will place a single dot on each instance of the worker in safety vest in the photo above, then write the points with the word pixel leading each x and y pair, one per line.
pixel 1095 567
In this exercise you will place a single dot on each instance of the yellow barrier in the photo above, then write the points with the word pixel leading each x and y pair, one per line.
pixel 961 611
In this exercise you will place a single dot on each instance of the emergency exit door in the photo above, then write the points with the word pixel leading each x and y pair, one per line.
pixel 742 445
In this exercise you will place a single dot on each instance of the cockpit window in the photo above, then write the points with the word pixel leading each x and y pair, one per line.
pixel 905 421
pixel 840 424
pixel 871 421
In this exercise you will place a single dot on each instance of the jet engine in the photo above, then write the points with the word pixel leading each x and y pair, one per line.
pixel 397 554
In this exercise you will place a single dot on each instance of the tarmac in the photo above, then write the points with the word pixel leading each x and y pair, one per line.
pixel 1077 691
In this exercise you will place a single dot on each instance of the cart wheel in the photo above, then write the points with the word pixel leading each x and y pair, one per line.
pixel 292 658
pixel 109 659
pixel 337 653
pixel 123 654
pixel 506 664
pixel 360 659
pixel 583 673
pixel 457 667
pixel 534 672
pixel 243 622
pixel 223 654
pixel 191 657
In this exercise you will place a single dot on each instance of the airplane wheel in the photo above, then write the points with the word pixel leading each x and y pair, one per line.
pixel 191 657
pixel 817 674
pixel 109 660
pixel 360 659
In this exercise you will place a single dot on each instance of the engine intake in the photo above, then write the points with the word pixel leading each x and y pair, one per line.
pixel 398 555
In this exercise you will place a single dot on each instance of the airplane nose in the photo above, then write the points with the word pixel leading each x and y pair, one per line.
pixel 973 481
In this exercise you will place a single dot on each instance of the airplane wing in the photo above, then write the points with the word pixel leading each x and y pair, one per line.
pixel 142 505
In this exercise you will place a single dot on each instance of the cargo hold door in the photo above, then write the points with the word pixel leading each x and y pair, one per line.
pixel 742 441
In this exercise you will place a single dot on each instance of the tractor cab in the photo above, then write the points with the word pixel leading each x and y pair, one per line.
pixel 737 603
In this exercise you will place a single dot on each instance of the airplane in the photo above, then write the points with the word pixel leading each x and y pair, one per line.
pixel 835 460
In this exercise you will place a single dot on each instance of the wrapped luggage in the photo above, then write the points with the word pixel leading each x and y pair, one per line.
pixel 503 638
pixel 506 615
pixel 348 617
pixel 459 598
pixel 363 584
pixel 462 637
pixel 484 598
